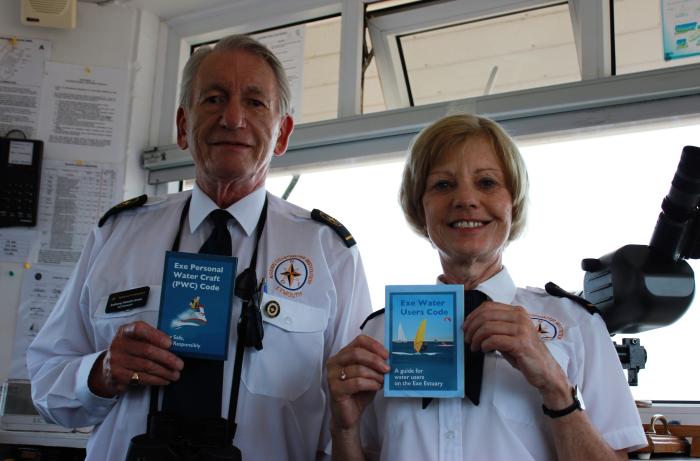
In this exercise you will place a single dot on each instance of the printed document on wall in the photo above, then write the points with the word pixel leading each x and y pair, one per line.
pixel 84 112
pixel 288 46
pixel 74 194
pixel 18 244
pixel 41 287
pixel 681 28
pixel 22 63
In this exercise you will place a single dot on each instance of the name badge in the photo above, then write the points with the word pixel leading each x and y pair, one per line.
pixel 127 300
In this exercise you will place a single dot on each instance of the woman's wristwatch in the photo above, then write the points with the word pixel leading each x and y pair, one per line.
pixel 577 405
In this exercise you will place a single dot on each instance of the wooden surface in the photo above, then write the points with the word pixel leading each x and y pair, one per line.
pixel 691 432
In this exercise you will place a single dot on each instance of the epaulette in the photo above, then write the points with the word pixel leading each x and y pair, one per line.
pixel 125 205
pixel 371 316
pixel 555 290
pixel 320 216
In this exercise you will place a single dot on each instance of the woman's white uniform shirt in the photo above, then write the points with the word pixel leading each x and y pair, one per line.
pixel 509 424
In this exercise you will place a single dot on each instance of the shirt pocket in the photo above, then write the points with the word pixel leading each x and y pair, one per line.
pixel 107 323
pixel 514 398
pixel 292 356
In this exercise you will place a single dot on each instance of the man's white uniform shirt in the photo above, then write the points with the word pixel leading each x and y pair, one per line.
pixel 283 405
pixel 508 424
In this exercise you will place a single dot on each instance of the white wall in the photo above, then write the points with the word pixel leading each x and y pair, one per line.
pixel 113 36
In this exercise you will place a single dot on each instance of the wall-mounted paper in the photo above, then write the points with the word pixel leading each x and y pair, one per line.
pixel 73 197
pixel 18 244
pixel 21 73
pixel 83 112
pixel 41 287
pixel 288 46
pixel 681 28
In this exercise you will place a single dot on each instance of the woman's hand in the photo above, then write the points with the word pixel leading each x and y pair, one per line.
pixel 355 373
pixel 509 330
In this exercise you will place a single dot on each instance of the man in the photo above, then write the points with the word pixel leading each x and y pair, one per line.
pixel 94 362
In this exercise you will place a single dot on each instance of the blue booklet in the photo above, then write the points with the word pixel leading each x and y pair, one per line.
pixel 425 340
pixel 195 303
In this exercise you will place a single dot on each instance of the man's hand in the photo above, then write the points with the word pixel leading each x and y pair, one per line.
pixel 136 348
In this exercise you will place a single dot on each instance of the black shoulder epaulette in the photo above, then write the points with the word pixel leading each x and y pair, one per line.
pixel 320 216
pixel 555 290
pixel 371 316
pixel 125 205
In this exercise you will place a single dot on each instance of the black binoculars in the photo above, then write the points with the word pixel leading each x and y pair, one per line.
pixel 171 439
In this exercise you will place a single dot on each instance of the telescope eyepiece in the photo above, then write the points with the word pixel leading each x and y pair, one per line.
pixel 678 207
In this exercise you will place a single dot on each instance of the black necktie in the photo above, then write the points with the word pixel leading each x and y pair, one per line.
pixel 219 241
pixel 197 394
pixel 473 361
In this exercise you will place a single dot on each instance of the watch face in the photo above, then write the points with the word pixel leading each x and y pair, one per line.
pixel 579 397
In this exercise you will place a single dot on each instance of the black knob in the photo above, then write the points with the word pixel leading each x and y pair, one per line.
pixel 591 265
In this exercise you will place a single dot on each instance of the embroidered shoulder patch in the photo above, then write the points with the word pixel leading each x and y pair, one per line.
pixel 125 205
pixel 342 231
pixel 555 290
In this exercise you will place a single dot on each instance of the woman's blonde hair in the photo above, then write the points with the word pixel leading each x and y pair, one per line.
pixel 441 136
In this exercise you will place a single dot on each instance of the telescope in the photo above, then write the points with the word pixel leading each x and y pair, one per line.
pixel 641 287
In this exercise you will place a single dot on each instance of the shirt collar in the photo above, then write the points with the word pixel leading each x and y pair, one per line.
pixel 499 288
pixel 246 211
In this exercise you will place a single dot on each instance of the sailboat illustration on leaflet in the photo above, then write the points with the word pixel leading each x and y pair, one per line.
pixel 401 335
pixel 418 345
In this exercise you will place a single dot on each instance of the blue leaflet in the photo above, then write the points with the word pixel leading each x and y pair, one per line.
pixel 195 303
pixel 423 333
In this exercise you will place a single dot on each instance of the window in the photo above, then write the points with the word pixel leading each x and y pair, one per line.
pixel 321 61
pixel 427 54
pixel 321 50
pixel 507 53
pixel 638 37
pixel 590 194
pixel 372 96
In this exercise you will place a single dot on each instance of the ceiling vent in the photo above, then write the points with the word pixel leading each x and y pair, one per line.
pixel 49 13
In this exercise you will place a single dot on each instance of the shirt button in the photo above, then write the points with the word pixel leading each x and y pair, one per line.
pixel 450 434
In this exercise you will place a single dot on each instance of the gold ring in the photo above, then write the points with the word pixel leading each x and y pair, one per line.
pixel 343 375
pixel 134 381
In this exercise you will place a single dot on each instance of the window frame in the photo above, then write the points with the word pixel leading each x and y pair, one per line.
pixel 623 99
pixel 597 100
pixel 591 21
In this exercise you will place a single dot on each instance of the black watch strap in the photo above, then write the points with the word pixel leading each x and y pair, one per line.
pixel 565 411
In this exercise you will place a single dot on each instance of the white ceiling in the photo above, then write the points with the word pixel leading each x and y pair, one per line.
pixel 168 9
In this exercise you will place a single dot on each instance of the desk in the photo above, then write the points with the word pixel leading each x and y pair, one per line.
pixel 78 440
pixel 45 439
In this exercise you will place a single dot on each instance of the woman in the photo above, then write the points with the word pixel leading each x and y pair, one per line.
pixel 465 189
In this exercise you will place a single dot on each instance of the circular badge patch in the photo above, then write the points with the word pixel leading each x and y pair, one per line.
pixel 547 327
pixel 291 273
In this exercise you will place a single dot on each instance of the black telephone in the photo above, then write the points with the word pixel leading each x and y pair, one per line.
pixel 20 177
